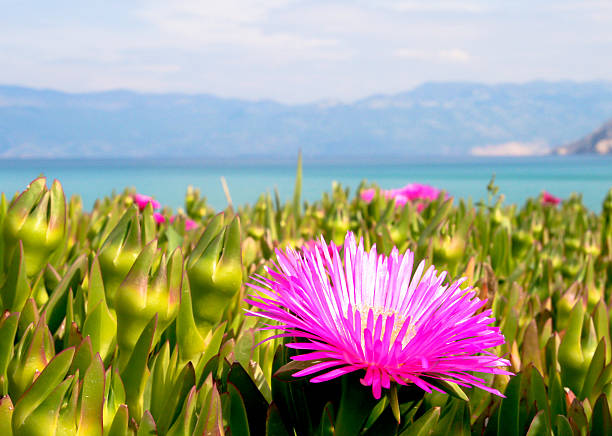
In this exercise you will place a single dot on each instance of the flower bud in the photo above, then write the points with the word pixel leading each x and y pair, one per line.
pixel 215 271
pixel 37 218
pixel 141 296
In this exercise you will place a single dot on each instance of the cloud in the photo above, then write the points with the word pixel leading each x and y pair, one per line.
pixel 438 6
pixel 513 148
pixel 451 55
pixel 300 50
pixel 246 24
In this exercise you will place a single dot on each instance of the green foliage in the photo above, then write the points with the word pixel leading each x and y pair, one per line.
pixel 112 324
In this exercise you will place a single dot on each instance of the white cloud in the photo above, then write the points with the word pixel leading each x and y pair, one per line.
pixel 454 55
pixel 450 55
pixel 300 50
pixel 513 148
pixel 194 25
pixel 438 6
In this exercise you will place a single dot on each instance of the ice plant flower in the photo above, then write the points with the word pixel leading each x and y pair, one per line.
pixel 142 201
pixel 413 192
pixel 368 194
pixel 548 198
pixel 159 218
pixel 189 223
pixel 368 312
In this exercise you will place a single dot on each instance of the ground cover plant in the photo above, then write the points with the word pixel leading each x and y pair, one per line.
pixel 276 318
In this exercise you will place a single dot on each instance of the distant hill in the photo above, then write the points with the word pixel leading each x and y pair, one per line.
pixel 434 118
pixel 598 142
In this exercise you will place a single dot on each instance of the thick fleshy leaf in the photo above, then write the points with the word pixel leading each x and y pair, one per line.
pixel 563 426
pixel 43 420
pixel 8 328
pixel 596 367
pixel 172 406
pixel 57 300
pixel 185 423
pixel 16 289
pixel 601 421
pixel 147 425
pixel 92 399
pixel 119 427
pixel 46 383
pixel 538 426
pixel 424 425
pixel 570 351
pixel 32 354
pixel 274 423
pixel 508 421
pixel 210 421
pixel 190 340
pixel 238 421
pixel 83 357
pixel 135 372
pixel 539 395
pixel 6 414
pixel 255 404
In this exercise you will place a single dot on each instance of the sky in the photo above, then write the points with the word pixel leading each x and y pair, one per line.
pixel 299 51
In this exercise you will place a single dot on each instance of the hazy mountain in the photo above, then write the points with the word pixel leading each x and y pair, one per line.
pixel 435 118
pixel 598 142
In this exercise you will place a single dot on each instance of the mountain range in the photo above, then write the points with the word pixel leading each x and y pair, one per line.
pixel 431 119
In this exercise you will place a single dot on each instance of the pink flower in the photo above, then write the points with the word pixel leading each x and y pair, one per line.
pixel 410 192
pixel 315 245
pixel 548 198
pixel 189 223
pixel 143 200
pixel 159 218
pixel 371 313
pixel 368 194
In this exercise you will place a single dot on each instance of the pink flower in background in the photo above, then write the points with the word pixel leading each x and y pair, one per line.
pixel 142 201
pixel 189 223
pixel 372 313
pixel 417 191
pixel 412 192
pixel 368 194
pixel 548 198
pixel 159 218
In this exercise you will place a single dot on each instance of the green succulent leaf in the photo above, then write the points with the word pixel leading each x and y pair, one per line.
pixel 424 425
pixel 42 387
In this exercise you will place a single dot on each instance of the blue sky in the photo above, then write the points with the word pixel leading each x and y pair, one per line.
pixel 299 51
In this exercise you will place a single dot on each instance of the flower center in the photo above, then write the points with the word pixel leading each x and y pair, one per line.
pixel 398 323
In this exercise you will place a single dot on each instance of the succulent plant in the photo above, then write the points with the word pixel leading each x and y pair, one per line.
pixel 114 321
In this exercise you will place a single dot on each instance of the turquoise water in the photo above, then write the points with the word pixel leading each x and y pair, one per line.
pixel 167 180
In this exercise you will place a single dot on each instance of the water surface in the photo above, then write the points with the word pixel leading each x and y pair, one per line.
pixel 167 179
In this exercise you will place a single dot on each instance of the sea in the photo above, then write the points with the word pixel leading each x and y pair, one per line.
pixel 167 179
